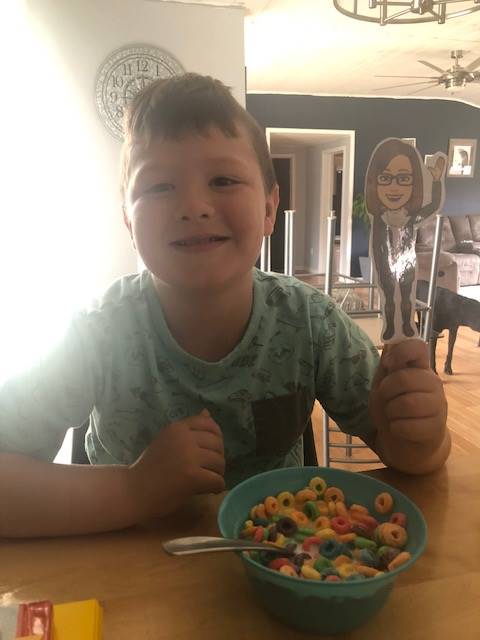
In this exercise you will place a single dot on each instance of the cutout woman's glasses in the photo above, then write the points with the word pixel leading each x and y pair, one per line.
pixel 402 179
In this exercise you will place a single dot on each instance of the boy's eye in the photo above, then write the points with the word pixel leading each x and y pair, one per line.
pixel 223 181
pixel 160 187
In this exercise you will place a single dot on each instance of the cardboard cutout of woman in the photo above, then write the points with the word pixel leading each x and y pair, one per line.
pixel 401 193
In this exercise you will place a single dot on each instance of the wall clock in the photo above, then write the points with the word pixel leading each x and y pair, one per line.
pixel 125 72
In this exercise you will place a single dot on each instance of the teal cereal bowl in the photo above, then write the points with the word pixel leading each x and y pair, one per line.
pixel 310 605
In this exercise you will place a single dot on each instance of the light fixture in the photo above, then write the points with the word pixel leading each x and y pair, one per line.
pixel 385 12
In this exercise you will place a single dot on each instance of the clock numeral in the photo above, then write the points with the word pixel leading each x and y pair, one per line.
pixel 142 65
pixel 159 70
pixel 127 69
pixel 113 96
pixel 117 81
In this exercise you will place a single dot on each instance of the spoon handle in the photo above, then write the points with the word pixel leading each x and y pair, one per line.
pixel 201 544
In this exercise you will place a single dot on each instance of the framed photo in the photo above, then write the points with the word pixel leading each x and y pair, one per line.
pixel 461 157
pixel 428 159
pixel 412 141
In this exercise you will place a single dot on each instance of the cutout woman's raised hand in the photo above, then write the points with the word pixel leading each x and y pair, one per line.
pixel 438 169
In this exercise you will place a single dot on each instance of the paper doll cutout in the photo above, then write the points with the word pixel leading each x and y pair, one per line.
pixel 401 194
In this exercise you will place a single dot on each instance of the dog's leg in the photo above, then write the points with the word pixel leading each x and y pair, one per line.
pixel 452 336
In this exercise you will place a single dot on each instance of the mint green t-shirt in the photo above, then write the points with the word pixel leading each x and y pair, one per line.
pixel 119 363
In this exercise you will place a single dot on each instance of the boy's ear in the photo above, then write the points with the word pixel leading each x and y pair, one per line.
pixel 271 206
pixel 128 224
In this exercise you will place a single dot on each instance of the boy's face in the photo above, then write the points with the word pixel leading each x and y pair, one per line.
pixel 196 209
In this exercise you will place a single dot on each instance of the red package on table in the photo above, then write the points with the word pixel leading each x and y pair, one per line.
pixel 35 618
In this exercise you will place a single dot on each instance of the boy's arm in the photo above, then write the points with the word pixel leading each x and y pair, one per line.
pixel 409 409
pixel 40 498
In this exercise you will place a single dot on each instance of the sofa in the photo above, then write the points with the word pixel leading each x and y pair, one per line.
pixel 460 251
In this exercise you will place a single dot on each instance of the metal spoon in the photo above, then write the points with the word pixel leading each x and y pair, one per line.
pixel 202 544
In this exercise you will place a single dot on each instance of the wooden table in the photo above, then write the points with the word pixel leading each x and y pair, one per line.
pixel 151 596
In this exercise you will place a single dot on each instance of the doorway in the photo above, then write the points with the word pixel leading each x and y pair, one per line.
pixel 321 164
pixel 337 206
pixel 283 165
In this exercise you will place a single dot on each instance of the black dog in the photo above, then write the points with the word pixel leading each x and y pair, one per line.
pixel 451 311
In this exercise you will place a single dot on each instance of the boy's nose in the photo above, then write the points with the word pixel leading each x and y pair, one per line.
pixel 194 204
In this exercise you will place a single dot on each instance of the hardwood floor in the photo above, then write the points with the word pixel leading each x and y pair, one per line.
pixel 463 394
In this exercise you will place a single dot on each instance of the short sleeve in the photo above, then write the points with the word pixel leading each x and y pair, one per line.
pixel 346 366
pixel 38 406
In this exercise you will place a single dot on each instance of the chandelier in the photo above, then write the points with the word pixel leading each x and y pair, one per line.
pixel 407 11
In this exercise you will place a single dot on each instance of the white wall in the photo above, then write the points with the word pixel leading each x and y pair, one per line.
pixel 204 39
pixel 63 236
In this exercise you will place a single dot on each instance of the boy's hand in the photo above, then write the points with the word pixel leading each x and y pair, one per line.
pixel 409 409
pixel 184 459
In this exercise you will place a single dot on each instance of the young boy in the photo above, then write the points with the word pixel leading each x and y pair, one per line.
pixel 201 370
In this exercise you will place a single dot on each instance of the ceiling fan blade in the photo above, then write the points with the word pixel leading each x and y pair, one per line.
pixel 431 86
pixel 410 84
pixel 425 77
pixel 473 65
pixel 432 66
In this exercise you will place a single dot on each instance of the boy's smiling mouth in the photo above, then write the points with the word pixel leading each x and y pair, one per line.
pixel 199 241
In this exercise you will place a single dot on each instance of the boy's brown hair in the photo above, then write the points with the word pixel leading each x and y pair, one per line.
pixel 189 103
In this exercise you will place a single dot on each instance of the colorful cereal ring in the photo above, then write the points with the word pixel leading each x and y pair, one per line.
pixel 258 535
pixel 310 573
pixel 342 559
pixel 399 518
pixel 322 507
pixel 304 495
pixel 287 526
pixel 299 517
pixel 333 578
pixel 347 569
pixel 288 571
pixel 321 563
pixel 342 510
pixel 307 543
pixel 271 505
pixel 359 507
pixel 286 500
pixel 383 502
pixel 340 525
pixel 370 572
pixel 310 509
pixel 326 534
pixel 330 549
pixel 392 535
pixel 334 494
pixel 322 522
pixel 318 485
pixel 402 557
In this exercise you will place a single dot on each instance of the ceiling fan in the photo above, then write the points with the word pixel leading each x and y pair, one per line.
pixel 453 78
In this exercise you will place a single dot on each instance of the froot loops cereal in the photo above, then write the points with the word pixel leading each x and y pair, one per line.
pixel 326 537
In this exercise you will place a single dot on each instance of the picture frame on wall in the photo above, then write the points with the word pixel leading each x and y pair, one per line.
pixel 428 159
pixel 461 157
pixel 412 141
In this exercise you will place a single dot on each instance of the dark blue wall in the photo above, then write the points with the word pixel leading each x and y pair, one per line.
pixel 431 122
